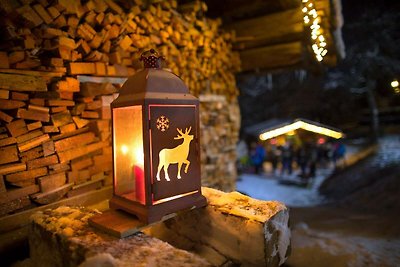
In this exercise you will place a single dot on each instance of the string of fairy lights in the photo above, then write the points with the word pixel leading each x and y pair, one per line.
pixel 313 20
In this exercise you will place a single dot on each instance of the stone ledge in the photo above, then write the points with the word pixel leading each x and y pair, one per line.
pixel 62 237
pixel 232 230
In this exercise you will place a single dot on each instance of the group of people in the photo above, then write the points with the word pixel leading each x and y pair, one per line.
pixel 284 158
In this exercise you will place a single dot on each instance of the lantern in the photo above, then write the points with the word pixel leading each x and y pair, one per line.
pixel 156 149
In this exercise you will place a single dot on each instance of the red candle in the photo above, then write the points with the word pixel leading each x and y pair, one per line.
pixel 139 184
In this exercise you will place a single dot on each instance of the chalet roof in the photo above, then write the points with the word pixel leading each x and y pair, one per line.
pixel 275 127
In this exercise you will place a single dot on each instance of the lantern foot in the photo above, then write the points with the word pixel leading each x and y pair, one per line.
pixel 161 211
pixel 117 223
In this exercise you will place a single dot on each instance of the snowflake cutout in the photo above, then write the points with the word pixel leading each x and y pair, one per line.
pixel 162 123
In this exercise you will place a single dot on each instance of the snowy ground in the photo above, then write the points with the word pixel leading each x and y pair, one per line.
pixel 269 187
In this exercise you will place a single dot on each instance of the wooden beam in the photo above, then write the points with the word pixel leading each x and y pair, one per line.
pixel 18 82
pixel 286 26
pixel 269 57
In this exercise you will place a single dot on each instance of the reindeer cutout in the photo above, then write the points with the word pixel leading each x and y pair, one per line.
pixel 175 155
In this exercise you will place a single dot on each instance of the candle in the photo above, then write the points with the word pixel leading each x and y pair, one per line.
pixel 139 184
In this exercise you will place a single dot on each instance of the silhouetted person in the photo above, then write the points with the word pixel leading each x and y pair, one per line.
pixel 287 157
pixel 257 156
pixel 302 160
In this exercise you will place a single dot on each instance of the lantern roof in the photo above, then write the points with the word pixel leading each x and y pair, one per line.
pixel 152 83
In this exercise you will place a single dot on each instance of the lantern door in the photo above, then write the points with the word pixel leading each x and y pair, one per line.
pixel 174 151
pixel 129 178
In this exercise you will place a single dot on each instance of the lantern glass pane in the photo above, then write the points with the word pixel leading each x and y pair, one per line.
pixel 128 153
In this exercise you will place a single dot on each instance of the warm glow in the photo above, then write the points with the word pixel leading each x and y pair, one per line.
pixel 291 133
pixel 394 83
pixel 173 197
pixel 318 40
pixel 300 125
pixel 128 153
pixel 124 149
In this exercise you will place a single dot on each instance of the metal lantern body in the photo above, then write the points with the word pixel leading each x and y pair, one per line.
pixel 156 149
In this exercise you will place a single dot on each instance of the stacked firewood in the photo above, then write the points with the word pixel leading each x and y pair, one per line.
pixel 61 65
pixel 219 124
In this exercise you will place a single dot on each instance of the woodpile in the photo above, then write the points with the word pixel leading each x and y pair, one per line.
pixel 219 123
pixel 61 65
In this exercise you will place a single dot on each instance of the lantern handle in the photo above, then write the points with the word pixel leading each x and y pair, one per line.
pixel 151 59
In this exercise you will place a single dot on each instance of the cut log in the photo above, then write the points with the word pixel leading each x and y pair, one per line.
pixel 81 68
pixel 67 103
pixel 4 63
pixel 43 13
pixel 58 109
pixel 50 129
pixel 5 117
pixel 39 108
pixel 31 154
pixel 11 168
pixel 68 85
pixel 66 42
pixel 61 118
pixel 41 162
pixel 4 94
pixel 68 128
pixel 33 115
pixel 11 104
pixel 37 101
pixel 34 125
pixel 80 122
pixel 3 188
pixel 17 128
pixel 80 151
pixel 60 238
pixel 18 82
pixel 34 142
pixel 48 148
pixel 29 136
pixel 16 56
pixel 95 89
pixel 51 196
pixel 93 105
pixel 80 164
pixel 239 229
pixel 90 115
pixel 85 187
pixel 65 135
pixel 59 167
pixel 7 141
pixel 19 96
pixel 8 154
pixel 26 178
pixel 74 141
pixel 51 182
